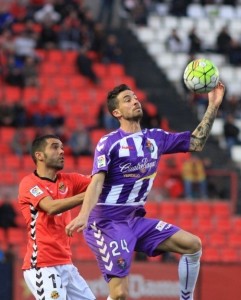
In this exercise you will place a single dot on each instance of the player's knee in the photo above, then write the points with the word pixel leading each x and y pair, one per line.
pixel 196 244
pixel 120 294
pixel 120 297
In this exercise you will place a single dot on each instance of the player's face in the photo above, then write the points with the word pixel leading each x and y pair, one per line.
pixel 54 154
pixel 129 106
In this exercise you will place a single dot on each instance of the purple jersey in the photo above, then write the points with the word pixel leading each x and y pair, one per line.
pixel 130 161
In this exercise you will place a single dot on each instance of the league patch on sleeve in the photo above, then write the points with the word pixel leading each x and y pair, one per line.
pixel 36 191
pixel 101 161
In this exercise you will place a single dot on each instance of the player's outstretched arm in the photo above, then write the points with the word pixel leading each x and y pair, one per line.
pixel 200 134
pixel 91 198
pixel 58 205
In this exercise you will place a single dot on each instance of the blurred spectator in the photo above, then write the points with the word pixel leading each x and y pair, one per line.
pixel 6 18
pixel 112 52
pixel 46 12
pixel 175 43
pixel 20 115
pixel 30 72
pixel 151 117
pixel 195 43
pixel 98 39
pixel 105 120
pixel 194 178
pixel 48 38
pixel 178 8
pixel 171 179
pixel 232 105
pixel 106 12
pixel 84 65
pixel 69 37
pixel 24 46
pixel 231 133
pixel 20 143
pixel 14 71
pixel 80 141
pixel 10 254
pixel 7 216
pixel 140 13
pixel 6 113
pixel 223 42
pixel 48 114
pixel 30 30
pixel 7 42
pixel 2 254
pixel 234 53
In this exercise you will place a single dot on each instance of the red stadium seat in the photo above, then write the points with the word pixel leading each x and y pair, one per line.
pixel 12 94
pixel 205 225
pixel 152 210
pixel 70 57
pixel 69 163
pixel 229 255
pixel 96 135
pixel 236 224
pixel 217 239
pixel 28 163
pixel 221 209
pixel 115 70
pixel 210 254
pixel 49 69
pixel 202 209
pixel 82 252
pixel 59 82
pixel 7 177
pixel 234 240
pixel 16 236
pixel 12 162
pixel 100 70
pixel 29 93
pixel 223 225
pixel 85 165
pixel 185 209
pixel 54 56
pixel 6 135
pixel 186 223
pixel 168 210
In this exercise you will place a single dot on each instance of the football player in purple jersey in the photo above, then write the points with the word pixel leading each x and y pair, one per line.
pixel 113 212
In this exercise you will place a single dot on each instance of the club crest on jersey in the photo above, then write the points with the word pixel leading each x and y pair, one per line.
pixel 149 146
pixel 121 263
pixel 62 188
pixel 36 191
pixel 101 161
pixel 54 295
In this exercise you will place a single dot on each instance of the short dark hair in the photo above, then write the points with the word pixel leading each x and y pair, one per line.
pixel 112 102
pixel 39 144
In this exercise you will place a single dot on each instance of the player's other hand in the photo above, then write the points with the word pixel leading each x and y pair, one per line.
pixel 77 224
pixel 215 97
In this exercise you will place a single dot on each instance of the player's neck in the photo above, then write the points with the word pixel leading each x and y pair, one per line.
pixel 130 127
pixel 46 173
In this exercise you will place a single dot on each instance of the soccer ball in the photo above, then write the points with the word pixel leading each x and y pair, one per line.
pixel 201 76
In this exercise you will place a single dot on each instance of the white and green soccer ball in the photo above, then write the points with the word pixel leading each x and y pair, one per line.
pixel 201 76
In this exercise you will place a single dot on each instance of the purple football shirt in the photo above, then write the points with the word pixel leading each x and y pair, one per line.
pixel 130 161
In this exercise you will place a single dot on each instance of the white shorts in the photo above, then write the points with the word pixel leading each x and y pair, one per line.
pixel 60 282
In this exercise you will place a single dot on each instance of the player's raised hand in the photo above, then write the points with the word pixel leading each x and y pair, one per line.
pixel 77 224
pixel 215 97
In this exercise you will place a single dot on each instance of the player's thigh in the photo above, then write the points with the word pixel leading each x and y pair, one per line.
pixel 113 244
pixel 45 283
pixel 118 287
pixel 77 288
pixel 182 242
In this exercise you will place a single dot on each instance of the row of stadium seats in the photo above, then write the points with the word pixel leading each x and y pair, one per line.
pixel 207 29
pixel 218 245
